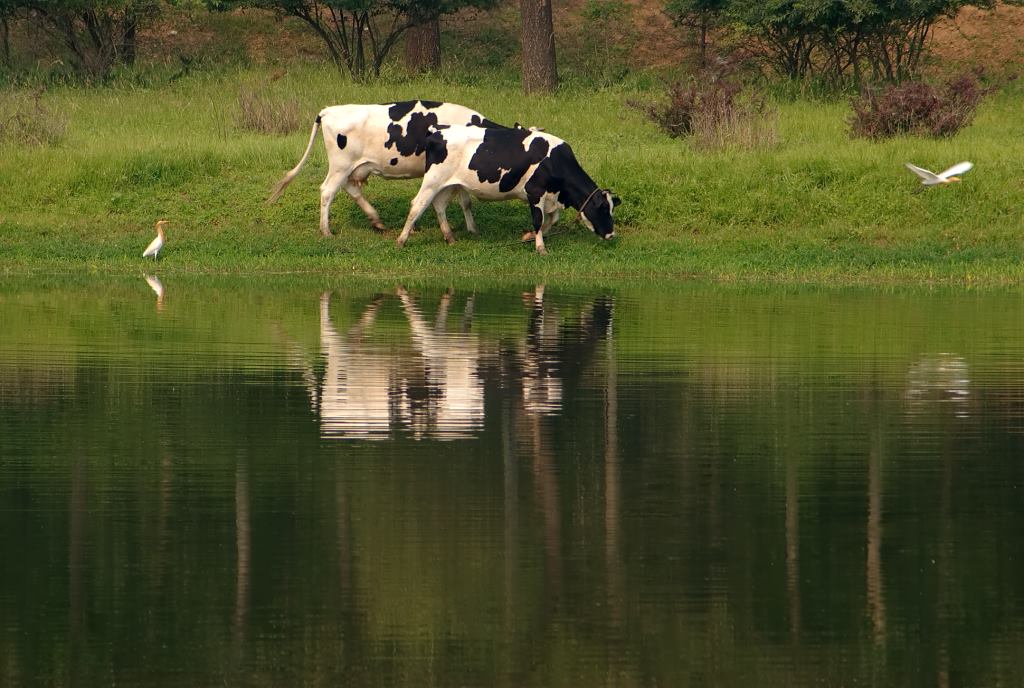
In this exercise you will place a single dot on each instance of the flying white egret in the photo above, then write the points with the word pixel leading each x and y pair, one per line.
pixel 929 178
pixel 158 243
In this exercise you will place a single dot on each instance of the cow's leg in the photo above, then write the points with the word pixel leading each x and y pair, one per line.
pixel 546 220
pixel 328 190
pixel 441 202
pixel 355 190
pixel 416 208
pixel 466 201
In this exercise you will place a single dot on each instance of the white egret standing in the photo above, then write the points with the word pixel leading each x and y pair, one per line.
pixel 158 243
pixel 945 177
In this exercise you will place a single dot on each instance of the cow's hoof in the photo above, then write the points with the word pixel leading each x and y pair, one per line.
pixel 326 232
pixel 542 251
pixel 399 243
pixel 529 236
pixel 450 240
pixel 379 227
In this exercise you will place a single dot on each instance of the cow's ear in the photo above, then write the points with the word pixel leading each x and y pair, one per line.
pixel 616 201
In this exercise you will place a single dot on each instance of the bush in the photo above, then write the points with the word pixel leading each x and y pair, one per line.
pixel 26 121
pixel 917 108
pixel 260 113
pixel 715 113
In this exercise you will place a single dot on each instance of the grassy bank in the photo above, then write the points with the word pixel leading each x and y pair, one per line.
pixel 815 207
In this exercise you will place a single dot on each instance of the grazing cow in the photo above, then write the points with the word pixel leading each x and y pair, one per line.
pixel 388 140
pixel 500 164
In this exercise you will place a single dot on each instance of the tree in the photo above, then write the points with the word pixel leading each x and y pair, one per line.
pixel 700 16
pixel 783 31
pixel 97 35
pixel 539 70
pixel 841 40
pixel 7 11
pixel 359 34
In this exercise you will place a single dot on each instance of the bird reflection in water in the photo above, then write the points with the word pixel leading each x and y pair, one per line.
pixel 942 377
pixel 158 288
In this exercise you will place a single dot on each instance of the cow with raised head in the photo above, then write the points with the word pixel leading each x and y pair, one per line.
pixel 387 140
pixel 501 164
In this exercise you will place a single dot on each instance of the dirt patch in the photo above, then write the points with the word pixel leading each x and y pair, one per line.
pixel 993 39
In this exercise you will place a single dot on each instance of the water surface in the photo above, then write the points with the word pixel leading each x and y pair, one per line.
pixel 291 482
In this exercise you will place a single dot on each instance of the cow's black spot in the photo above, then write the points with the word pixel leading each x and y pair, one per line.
pixel 430 104
pixel 394 161
pixel 502 157
pixel 400 110
pixel 342 141
pixel 478 121
pixel 538 217
pixel 414 140
pixel 318 119
pixel 437 150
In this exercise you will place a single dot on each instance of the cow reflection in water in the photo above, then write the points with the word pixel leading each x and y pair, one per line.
pixel 354 399
pixel 370 390
pixel 447 399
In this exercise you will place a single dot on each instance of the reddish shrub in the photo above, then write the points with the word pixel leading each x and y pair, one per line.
pixel 914 107
pixel 713 100
pixel 714 112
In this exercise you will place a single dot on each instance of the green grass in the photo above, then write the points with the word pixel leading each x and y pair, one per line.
pixel 817 207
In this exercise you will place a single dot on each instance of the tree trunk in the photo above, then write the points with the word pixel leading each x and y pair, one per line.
pixel 128 39
pixel 5 40
pixel 539 72
pixel 423 47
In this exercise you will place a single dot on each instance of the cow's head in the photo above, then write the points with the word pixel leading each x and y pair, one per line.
pixel 596 212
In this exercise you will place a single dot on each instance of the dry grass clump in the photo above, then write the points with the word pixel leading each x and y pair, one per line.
pixel 259 112
pixel 715 113
pixel 915 107
pixel 25 120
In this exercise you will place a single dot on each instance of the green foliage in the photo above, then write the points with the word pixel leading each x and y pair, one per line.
pixel 700 16
pixel 839 40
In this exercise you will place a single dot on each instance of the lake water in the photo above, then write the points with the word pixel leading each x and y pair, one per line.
pixel 281 482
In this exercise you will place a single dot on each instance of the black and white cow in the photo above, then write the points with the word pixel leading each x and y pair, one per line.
pixel 501 164
pixel 387 140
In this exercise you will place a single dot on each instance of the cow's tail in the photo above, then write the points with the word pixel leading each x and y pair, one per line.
pixel 283 184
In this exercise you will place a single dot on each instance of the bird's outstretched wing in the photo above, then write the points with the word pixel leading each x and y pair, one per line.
pixel 956 169
pixel 926 176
